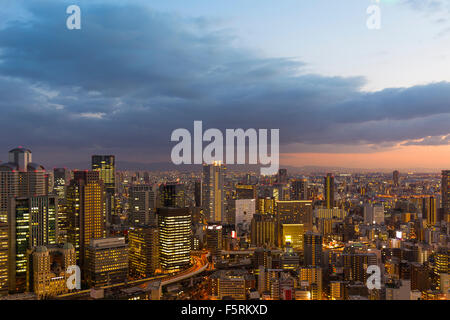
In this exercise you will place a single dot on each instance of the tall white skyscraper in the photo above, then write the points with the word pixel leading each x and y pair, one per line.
pixel 213 200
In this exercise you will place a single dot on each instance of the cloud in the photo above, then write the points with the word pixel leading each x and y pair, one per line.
pixel 132 75
pixel 429 141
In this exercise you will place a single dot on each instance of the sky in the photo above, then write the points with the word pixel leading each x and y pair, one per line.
pixel 340 93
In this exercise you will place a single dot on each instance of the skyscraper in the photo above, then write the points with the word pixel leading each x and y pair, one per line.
pixel 143 244
pixel 299 189
pixel 329 191
pixel 85 211
pixel 172 195
pixel 32 222
pixel 106 166
pixel 61 178
pixel 3 258
pixel 198 193
pixel 142 204
pixel 445 190
pixel 429 210
pixel 262 230
pixel 395 177
pixel 282 176
pixel 312 249
pixel 174 238
pixel 214 237
pixel 20 177
pixel 213 196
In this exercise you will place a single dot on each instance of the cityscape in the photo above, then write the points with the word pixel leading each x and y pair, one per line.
pixel 218 234
pixel 214 158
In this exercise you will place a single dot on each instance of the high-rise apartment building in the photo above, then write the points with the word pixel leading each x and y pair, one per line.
pixel 311 276
pixel 312 249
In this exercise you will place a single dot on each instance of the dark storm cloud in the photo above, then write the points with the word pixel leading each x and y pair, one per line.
pixel 131 75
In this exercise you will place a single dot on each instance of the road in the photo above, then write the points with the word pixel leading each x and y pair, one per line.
pixel 200 263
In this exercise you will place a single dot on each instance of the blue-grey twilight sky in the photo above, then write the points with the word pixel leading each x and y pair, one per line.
pixel 139 69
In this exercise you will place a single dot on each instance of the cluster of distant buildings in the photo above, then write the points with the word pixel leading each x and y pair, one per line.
pixel 269 237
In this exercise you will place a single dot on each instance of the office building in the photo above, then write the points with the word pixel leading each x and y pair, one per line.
pixel 107 261
pixel 214 241
pixel 47 275
pixel 32 222
pixel 293 235
pixel 174 238
pixel 105 165
pixel 142 205
pixel 143 244
pixel 293 212
pixel 20 177
pixel 3 258
pixel 86 216
pixel 172 195
pixel 61 178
